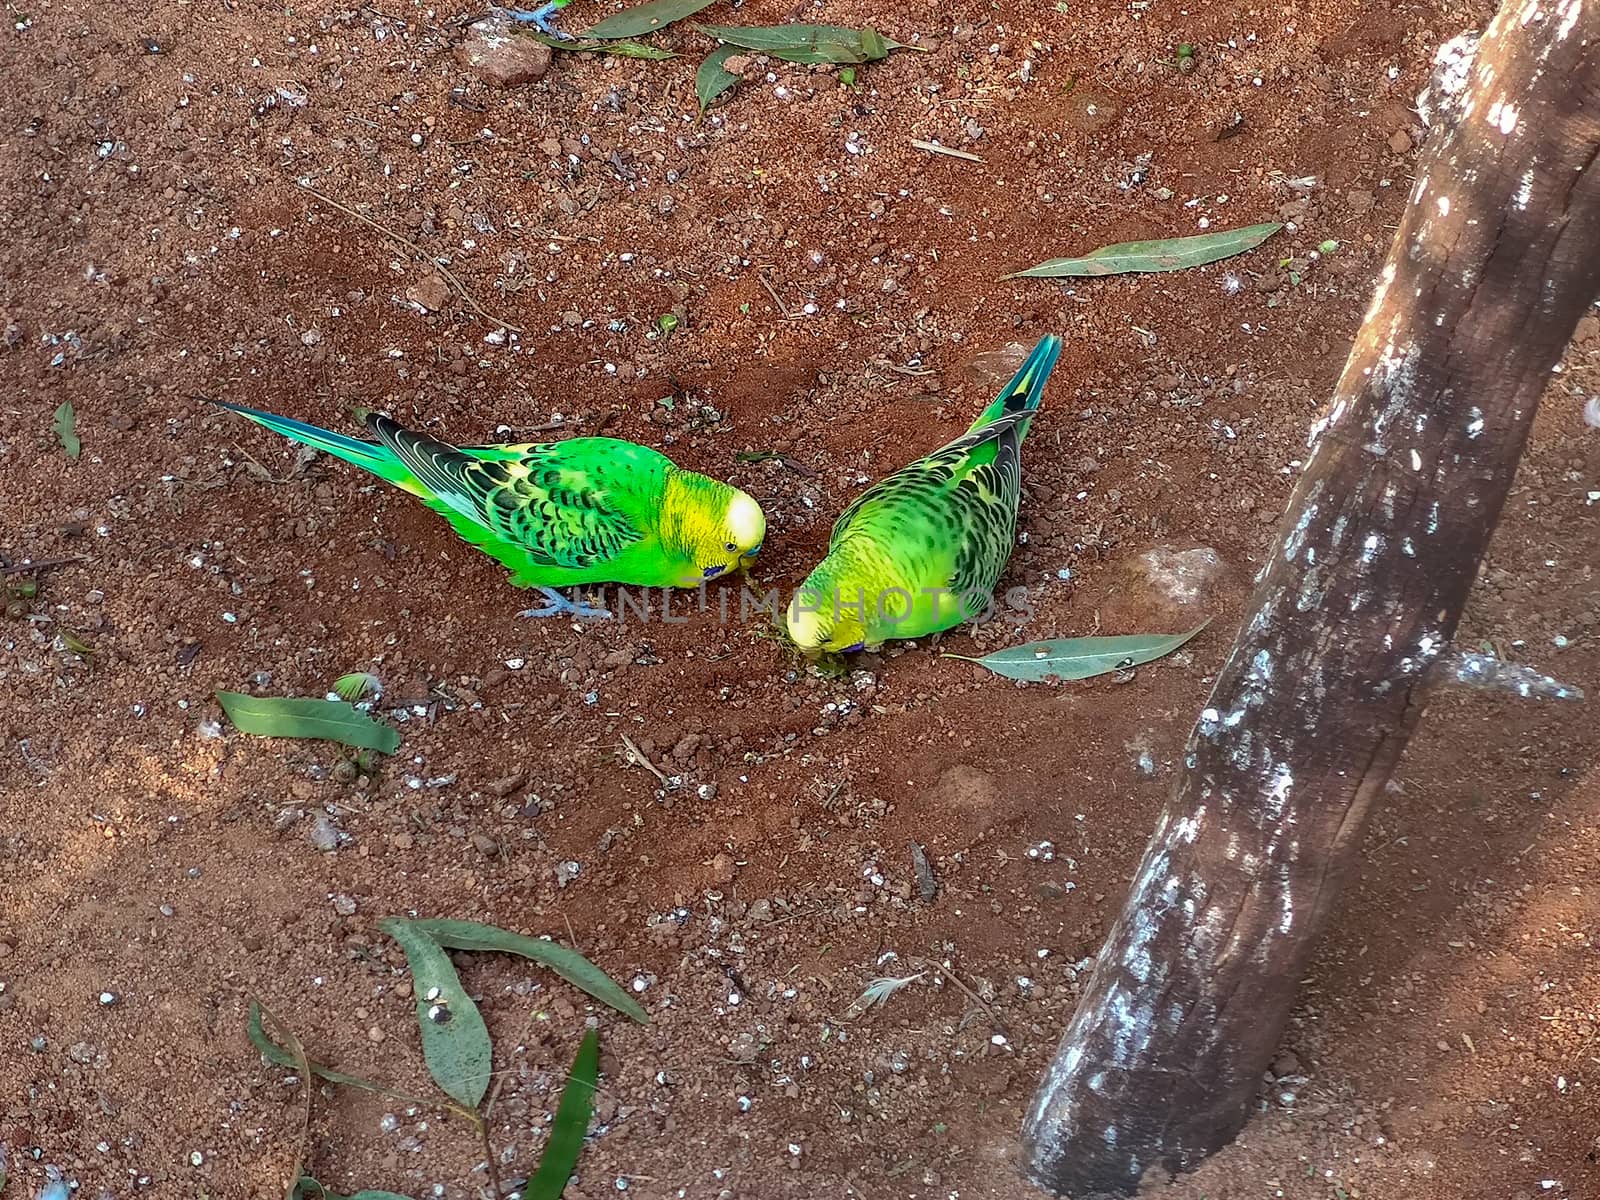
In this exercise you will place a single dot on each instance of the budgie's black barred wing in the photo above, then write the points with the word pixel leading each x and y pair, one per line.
pixel 987 493
pixel 958 504
pixel 921 482
pixel 542 501
pixel 895 501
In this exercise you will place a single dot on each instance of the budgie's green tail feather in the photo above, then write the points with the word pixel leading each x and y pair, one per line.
pixel 371 456
pixel 1023 393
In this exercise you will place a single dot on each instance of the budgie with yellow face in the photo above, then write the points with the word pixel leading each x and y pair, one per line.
pixel 557 514
pixel 922 550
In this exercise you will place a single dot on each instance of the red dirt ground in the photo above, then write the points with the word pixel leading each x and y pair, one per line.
pixel 833 285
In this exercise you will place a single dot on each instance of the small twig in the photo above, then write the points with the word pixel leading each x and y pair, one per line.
pixel 927 884
pixel 431 260
pixel 947 973
pixel 773 292
pixel 912 370
pixel 949 151
pixel 638 757
pixel 799 468
pixel 40 564
pixel 265 474
pixel 489 1164
pixel 572 934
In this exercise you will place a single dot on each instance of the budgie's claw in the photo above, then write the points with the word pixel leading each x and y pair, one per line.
pixel 539 18
pixel 560 606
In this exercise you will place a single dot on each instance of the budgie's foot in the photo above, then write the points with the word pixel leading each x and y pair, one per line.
pixel 539 18
pixel 560 606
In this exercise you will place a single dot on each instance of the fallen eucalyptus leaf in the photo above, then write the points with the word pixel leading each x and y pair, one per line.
pixel 569 964
pixel 276 1054
pixel 643 19
pixel 571 1124
pixel 66 427
pixel 712 78
pixel 294 717
pixel 1080 658
pixel 810 44
pixel 1171 254
pixel 455 1041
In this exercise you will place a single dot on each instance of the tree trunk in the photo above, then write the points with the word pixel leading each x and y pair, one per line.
pixel 1494 262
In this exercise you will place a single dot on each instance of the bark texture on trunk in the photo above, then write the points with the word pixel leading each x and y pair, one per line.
pixel 1495 260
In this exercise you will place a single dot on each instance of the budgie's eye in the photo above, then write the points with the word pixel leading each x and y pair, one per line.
pixel 729 546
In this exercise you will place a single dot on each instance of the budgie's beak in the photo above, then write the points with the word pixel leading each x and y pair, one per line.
pixel 747 561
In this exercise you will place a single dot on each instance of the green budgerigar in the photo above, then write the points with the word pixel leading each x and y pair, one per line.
pixel 583 511
pixel 922 550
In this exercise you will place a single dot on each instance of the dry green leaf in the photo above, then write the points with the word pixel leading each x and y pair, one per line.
pixel 569 964
pixel 76 644
pixel 66 427
pixel 713 78
pixel 293 717
pixel 571 1124
pixel 1171 254
pixel 810 44
pixel 296 1053
pixel 1079 658
pixel 644 19
pixel 276 1054
pixel 455 1041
